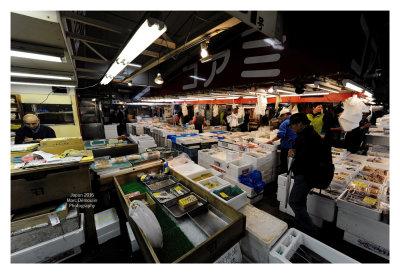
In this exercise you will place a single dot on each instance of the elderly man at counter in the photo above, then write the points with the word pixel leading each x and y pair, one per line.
pixel 33 131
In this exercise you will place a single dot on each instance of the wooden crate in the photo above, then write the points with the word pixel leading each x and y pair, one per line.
pixel 208 251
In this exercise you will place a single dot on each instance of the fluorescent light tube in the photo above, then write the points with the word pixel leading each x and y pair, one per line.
pixel 43 76
pixel 280 90
pixel 331 90
pixel 312 94
pixel 198 78
pixel 36 56
pixel 369 94
pixel 352 85
pixel 134 65
pixel 141 40
pixel 40 84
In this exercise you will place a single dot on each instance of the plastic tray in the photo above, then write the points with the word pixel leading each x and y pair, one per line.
pixel 167 189
pixel 209 219
pixel 161 184
pixel 172 205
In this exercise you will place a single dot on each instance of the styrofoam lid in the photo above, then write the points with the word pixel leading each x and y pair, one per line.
pixel 106 218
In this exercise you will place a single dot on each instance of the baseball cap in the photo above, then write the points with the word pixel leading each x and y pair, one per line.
pixel 284 111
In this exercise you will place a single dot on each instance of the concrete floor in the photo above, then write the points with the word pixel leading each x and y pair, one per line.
pixel 118 250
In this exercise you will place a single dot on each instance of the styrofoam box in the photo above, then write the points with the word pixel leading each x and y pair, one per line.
pixel 134 243
pixel 188 169
pixel 215 179
pixel 48 249
pixel 256 198
pixel 238 167
pixel 236 202
pixel 199 173
pixel 262 232
pixel 251 193
pixel 367 245
pixel 374 214
pixel 293 238
pixel 233 255
pixel 319 206
pixel 107 223
pixel 375 231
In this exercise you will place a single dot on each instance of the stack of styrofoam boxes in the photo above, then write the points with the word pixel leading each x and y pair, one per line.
pixel 107 225
pixel 283 251
pixel 363 226
pixel 262 232
pixel 138 129
pixel 236 202
pixel 319 207
pixel 220 160
pixel 110 131
pixel 263 162
pixel 144 142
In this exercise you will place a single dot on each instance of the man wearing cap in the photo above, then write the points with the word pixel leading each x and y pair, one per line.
pixel 287 137
pixel 33 131
pixel 316 118
pixel 307 154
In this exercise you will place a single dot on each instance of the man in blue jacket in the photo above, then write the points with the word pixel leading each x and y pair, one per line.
pixel 287 137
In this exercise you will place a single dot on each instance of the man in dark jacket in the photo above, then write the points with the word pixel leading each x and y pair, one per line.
pixel 33 131
pixel 199 122
pixel 354 139
pixel 307 150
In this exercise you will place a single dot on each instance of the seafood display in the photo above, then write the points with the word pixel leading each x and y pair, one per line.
pixel 371 177
pixel 202 177
pixel 361 198
pixel 377 171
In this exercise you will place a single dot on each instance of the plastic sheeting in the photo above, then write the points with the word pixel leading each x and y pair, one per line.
pixel 184 109
pixel 353 108
pixel 215 110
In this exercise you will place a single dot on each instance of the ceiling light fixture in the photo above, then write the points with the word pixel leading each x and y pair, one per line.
pixel 129 84
pixel 203 51
pixel 313 94
pixel 42 76
pixel 37 56
pixel 134 65
pixel 284 91
pixel 147 33
pixel 352 85
pixel 367 93
pixel 159 80
pixel 331 90
pixel 41 84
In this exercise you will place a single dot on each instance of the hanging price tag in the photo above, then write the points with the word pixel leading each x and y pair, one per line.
pixel 143 177
pixel 369 200
pixel 223 195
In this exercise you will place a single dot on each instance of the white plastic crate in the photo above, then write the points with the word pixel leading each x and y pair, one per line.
pixel 216 180
pixel 236 202
pixel 367 245
pixel 48 249
pixel 375 231
pixel 262 232
pixel 293 238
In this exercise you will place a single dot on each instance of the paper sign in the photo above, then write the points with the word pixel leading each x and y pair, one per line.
pixel 223 195
pixel 143 177
pixel 178 188
pixel 155 194
pixel 54 220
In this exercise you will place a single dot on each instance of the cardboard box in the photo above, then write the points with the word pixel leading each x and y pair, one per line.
pixel 59 145
pixel 37 217
pixel 64 141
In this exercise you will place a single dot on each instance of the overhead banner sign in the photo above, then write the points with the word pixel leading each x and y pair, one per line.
pixel 267 22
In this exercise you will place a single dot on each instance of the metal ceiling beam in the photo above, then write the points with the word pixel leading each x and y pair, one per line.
pixel 93 40
pixel 91 60
pixel 165 43
pixel 89 77
pixel 94 50
pixel 94 22
pixel 104 43
pixel 210 33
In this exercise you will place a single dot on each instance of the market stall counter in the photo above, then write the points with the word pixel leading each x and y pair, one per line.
pixel 207 244
pixel 38 185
